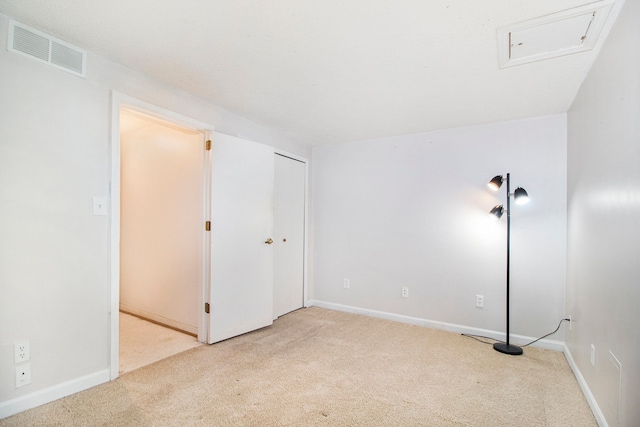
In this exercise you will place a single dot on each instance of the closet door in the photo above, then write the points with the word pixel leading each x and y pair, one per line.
pixel 241 289
pixel 289 215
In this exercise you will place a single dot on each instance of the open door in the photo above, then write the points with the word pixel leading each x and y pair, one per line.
pixel 241 292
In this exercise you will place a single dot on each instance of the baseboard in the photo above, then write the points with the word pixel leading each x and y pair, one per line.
pixel 165 321
pixel 434 324
pixel 591 400
pixel 40 397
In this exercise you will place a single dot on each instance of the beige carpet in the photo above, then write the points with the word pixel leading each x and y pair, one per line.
pixel 143 342
pixel 317 367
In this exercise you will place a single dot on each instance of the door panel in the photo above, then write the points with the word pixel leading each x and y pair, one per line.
pixel 241 295
pixel 289 208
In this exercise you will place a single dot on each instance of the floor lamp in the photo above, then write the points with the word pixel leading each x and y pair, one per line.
pixel 520 196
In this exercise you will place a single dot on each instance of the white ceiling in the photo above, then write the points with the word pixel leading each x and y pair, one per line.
pixel 326 71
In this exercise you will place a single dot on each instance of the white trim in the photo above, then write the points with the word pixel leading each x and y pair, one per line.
pixel 307 242
pixel 118 102
pixel 49 394
pixel 591 400
pixel 434 324
pixel 203 318
pixel 114 238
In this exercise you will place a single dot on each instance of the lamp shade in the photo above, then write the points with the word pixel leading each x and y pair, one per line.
pixel 495 182
pixel 497 211
pixel 520 196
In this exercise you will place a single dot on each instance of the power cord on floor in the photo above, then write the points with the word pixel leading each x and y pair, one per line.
pixel 550 333
pixel 477 337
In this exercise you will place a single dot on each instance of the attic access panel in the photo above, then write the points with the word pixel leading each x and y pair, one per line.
pixel 563 33
pixel 550 37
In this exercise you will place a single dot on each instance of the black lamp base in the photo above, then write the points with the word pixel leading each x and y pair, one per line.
pixel 505 348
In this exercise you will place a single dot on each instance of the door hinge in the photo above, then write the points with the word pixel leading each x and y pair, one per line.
pixel 207 145
pixel 207 225
pixel 207 308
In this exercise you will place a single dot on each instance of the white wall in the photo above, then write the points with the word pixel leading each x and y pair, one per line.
pixel 54 254
pixel 412 211
pixel 603 291
pixel 162 222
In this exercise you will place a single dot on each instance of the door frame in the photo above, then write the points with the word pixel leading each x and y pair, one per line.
pixel 120 101
pixel 306 221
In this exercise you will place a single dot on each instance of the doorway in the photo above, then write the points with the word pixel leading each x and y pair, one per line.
pixel 159 246
pixel 161 237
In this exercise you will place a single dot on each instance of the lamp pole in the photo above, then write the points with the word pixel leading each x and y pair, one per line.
pixel 506 347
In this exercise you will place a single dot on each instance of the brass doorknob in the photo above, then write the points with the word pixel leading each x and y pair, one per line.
pixel 269 241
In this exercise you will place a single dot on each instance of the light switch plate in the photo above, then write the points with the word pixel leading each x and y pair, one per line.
pixel 100 206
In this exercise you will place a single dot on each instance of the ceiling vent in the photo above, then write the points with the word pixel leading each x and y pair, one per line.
pixel 563 33
pixel 38 45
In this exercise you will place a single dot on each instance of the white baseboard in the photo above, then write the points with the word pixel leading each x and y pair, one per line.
pixel 450 327
pixel 595 408
pixel 159 319
pixel 40 397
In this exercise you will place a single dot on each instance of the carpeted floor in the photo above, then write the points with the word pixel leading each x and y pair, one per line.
pixel 318 367
pixel 143 342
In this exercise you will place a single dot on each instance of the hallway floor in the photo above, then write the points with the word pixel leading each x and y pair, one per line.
pixel 143 342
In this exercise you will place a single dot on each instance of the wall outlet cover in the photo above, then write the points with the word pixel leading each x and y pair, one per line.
pixel 21 352
pixel 23 375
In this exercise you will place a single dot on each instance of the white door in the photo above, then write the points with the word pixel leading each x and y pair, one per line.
pixel 289 206
pixel 241 294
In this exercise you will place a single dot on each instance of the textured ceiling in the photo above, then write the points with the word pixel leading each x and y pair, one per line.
pixel 326 71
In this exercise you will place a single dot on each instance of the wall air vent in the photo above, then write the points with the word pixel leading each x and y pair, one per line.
pixel 570 31
pixel 42 47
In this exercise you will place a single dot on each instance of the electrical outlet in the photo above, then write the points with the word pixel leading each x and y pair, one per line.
pixel 405 292
pixel 480 301
pixel 347 283
pixel 23 375
pixel 21 352
pixel 593 355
